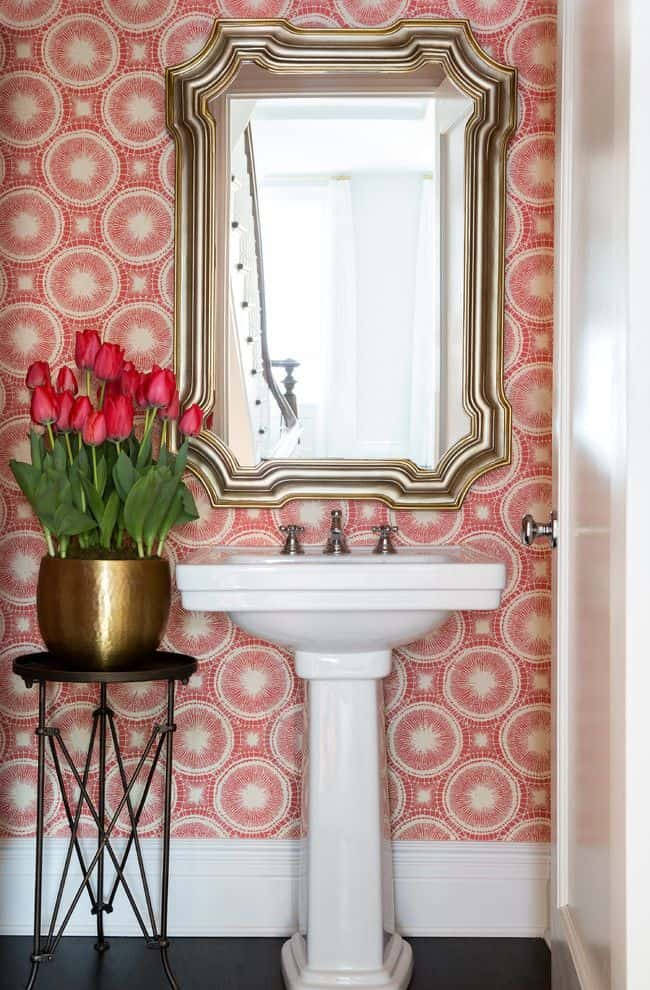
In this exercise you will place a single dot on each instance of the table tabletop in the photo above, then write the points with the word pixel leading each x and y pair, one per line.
pixel 159 666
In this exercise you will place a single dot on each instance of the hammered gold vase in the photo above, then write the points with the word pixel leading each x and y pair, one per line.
pixel 103 614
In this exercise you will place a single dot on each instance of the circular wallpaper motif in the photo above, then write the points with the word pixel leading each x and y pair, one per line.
pixel 314 515
pixel 513 341
pixel 253 681
pixel 134 109
pixel 424 829
pixel 481 797
pixel 30 224
pixel 252 796
pixel 529 496
pixel 526 626
pixel 199 634
pixel 533 830
pixel 439 643
pixel 140 15
pixel 167 170
pixel 532 48
pixel 14 443
pixel 396 795
pixel 531 164
pixel 137 225
pixel 526 740
pixel 27 13
pixel 394 685
pixel 152 813
pixel 20 560
pixel 18 796
pixel 255 8
pixel 371 13
pixel 529 284
pixel 138 699
pixel 16 699
pixel 28 332
pixel 81 50
pixel 427 527
pixel 82 167
pixel 30 108
pixel 495 546
pixel 490 15
pixel 288 738
pixel 184 38
pixel 424 739
pixel 74 721
pixel 481 683
pixel 144 330
pixel 166 282
pixel 204 738
pixel 530 391
pixel 196 827
pixel 210 527
pixel 82 282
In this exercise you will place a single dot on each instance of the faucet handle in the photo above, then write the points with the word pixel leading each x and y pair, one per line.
pixel 384 543
pixel 292 545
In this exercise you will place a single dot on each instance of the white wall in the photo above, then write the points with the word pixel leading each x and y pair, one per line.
pixel 602 868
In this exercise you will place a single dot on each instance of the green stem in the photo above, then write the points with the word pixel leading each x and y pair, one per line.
pixel 140 549
pixel 51 435
pixel 161 545
pixel 50 542
pixel 88 382
pixel 69 448
pixel 63 546
pixel 163 435
pixel 81 443
pixel 101 395
pixel 94 456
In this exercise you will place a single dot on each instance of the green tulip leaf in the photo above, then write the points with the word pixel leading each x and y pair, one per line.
pixel 109 519
pixel 144 453
pixel 137 505
pixel 60 455
pixel 102 474
pixel 69 521
pixel 95 501
pixel 37 449
pixel 124 475
pixel 27 476
pixel 83 462
pixel 164 494
pixel 181 458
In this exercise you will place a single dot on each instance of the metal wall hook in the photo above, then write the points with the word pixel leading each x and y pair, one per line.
pixel 531 530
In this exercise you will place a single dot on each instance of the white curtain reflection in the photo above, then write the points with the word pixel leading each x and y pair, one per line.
pixel 425 372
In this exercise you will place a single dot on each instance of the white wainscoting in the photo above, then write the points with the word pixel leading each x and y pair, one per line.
pixel 250 887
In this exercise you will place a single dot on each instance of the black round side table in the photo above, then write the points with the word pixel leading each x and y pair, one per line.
pixel 40 668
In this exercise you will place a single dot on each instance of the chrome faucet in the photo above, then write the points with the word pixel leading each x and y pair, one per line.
pixel 336 541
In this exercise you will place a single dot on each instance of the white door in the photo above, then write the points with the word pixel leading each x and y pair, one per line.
pixel 601 865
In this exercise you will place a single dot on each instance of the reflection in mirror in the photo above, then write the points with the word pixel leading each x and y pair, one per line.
pixel 346 265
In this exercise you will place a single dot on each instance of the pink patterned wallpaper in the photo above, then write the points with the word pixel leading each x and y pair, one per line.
pixel 86 239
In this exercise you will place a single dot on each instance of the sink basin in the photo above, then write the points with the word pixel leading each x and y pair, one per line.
pixel 353 604
pixel 342 616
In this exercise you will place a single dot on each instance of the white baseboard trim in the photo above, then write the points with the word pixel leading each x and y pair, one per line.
pixel 578 968
pixel 250 887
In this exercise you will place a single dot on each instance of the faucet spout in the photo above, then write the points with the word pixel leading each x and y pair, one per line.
pixel 336 541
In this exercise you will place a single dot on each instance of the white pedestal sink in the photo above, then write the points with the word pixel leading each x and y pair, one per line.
pixel 342 616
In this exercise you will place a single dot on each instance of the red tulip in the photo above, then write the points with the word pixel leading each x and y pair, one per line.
pixel 119 417
pixel 141 400
pixel 191 421
pixel 94 431
pixel 129 379
pixel 66 402
pixel 45 406
pixel 38 373
pixel 65 380
pixel 160 386
pixel 81 409
pixel 86 347
pixel 108 362
pixel 172 410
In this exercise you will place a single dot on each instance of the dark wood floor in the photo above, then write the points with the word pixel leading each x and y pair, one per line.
pixel 254 964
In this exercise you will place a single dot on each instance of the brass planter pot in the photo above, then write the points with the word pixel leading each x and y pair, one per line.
pixel 103 614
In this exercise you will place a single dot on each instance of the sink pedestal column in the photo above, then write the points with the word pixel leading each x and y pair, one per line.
pixel 347 936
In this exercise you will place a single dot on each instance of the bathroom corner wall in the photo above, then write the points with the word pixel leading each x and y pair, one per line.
pixel 86 240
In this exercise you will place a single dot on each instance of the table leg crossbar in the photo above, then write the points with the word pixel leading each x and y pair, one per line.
pixel 103 723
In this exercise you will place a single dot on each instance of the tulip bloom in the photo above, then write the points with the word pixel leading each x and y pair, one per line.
pixel 191 421
pixel 94 431
pixel 129 379
pixel 108 362
pixel 65 403
pixel 160 386
pixel 44 406
pixel 172 410
pixel 141 393
pixel 65 380
pixel 79 413
pixel 38 373
pixel 118 412
pixel 86 346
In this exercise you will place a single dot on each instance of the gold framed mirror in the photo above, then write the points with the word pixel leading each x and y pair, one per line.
pixel 340 212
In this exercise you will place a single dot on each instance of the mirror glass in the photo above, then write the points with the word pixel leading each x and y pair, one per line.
pixel 346 276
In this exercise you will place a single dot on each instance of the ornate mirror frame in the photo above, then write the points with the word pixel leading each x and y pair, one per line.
pixel 200 337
